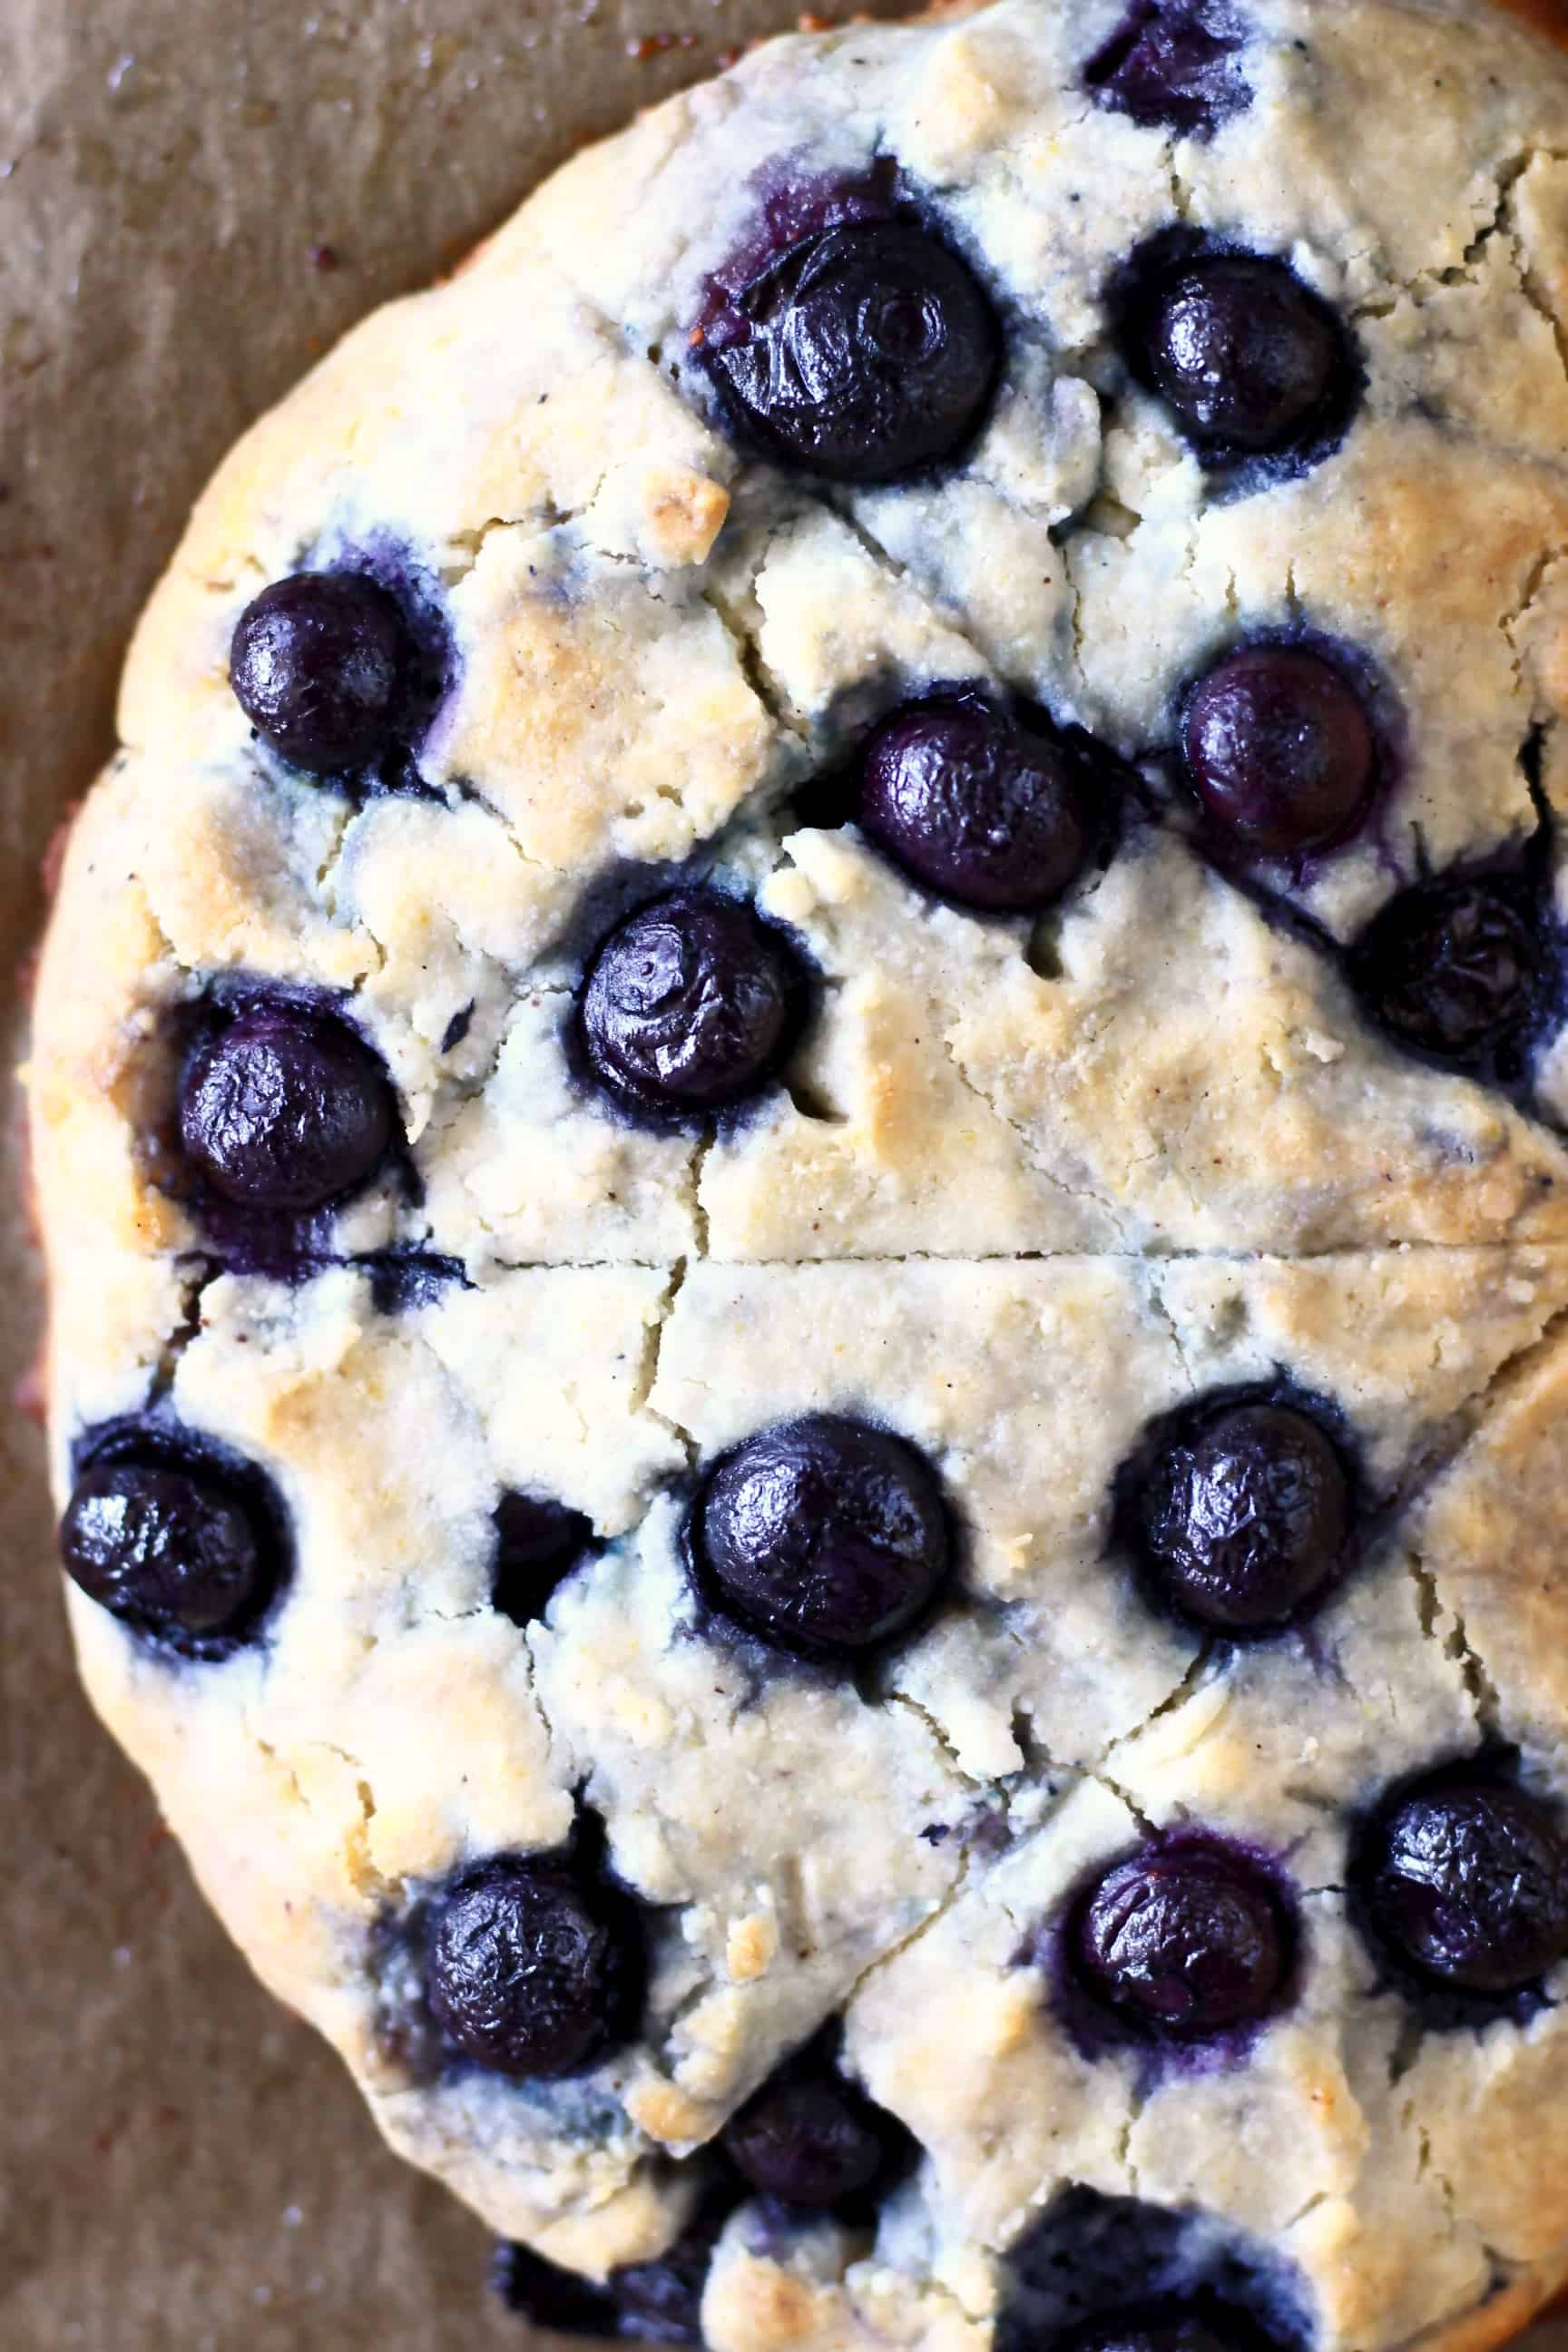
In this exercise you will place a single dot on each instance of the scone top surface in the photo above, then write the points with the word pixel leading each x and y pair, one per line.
pixel 799 1109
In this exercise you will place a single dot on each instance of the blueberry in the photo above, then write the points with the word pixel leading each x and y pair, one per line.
pixel 1241 1516
pixel 541 2291
pixel 980 807
pixel 1468 1881
pixel 317 666
pixel 688 1004
pixel 1280 750
pixel 825 1536
pixel 1174 64
pixel 1157 2327
pixel 539 1542
pixel 1183 1941
pixel 285 1109
pixel 661 2302
pixel 871 352
pixel 812 2139
pixel 1249 359
pixel 175 1551
pixel 525 1973
pixel 1453 970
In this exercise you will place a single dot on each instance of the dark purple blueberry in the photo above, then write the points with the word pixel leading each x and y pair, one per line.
pixel 661 2302
pixel 1468 1883
pixel 524 1973
pixel 815 2140
pixel 1151 2328
pixel 173 1551
pixel 825 1536
pixel 541 2291
pixel 1280 750
pixel 285 1109
pixel 539 1542
pixel 317 666
pixel 1174 65
pixel 1183 1941
pixel 976 805
pixel 1453 970
pixel 688 1002
pixel 1249 359
pixel 869 351
pixel 1243 1517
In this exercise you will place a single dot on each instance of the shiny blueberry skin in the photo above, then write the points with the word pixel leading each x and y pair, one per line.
pixel 1467 1882
pixel 1250 360
pixel 524 1973
pixel 822 1535
pixel 173 1551
pixel 983 809
pixel 317 665
pixel 1456 970
pixel 1279 749
pixel 815 2141
pixel 871 352
pixel 1242 1517
pixel 285 1109
pixel 689 1005
pixel 539 1542
pixel 1184 1942
pixel 1174 64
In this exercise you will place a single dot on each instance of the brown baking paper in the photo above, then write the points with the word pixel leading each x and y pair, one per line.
pixel 196 198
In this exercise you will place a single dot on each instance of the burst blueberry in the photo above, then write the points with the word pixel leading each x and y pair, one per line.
pixel 982 807
pixel 173 1550
pixel 1183 1941
pixel 1456 970
pixel 1240 1516
pixel 823 1535
pixel 1251 362
pixel 869 351
pixel 1467 1882
pixel 285 1109
pixel 526 1972
pixel 1174 64
pixel 1279 749
pixel 318 665
pixel 689 1005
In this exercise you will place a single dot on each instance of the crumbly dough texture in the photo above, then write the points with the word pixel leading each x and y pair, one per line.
pixel 1021 1193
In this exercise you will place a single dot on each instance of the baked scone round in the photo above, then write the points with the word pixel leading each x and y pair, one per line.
pixel 801 1115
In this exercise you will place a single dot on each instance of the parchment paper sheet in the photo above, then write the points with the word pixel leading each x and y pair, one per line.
pixel 196 197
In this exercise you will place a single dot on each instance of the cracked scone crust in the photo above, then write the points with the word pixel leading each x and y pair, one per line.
pixel 1024 1189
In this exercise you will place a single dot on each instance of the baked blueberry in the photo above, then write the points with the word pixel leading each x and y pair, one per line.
pixel 1467 1882
pixel 866 351
pixel 174 1550
pixel 980 806
pixel 661 2302
pixel 317 666
pixel 822 1535
pixel 1183 1941
pixel 1240 1516
pixel 541 2291
pixel 1279 749
pixel 524 1973
pixel 1174 64
pixel 1454 970
pixel 1251 362
pixel 688 1004
pixel 810 2139
pixel 539 1542
pixel 1157 2327
pixel 285 1109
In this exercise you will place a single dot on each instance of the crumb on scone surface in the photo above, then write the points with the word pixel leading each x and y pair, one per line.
pixel 1025 1185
